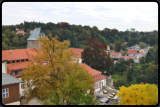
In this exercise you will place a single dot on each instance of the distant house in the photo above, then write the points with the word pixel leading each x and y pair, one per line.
pixel 10 89
pixel 132 51
pixel 99 79
pixel 31 31
pixel 20 32
pixel 115 55
pixel 125 43
pixel 108 47
pixel 78 52
pixel 126 57
pixel 14 61
pixel 138 55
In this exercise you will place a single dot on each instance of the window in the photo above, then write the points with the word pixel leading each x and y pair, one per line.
pixel 5 93
pixel 24 60
pixel 45 63
pixel 12 73
pixel 19 72
pixel 22 86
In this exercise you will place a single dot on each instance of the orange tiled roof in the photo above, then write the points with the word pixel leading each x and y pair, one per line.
pixel 98 78
pixel 31 30
pixel 77 51
pixel 18 54
pixel 19 75
pixel 18 65
pixel 91 70
pixel 21 31
pixel 125 57
pixel 113 53
pixel 132 51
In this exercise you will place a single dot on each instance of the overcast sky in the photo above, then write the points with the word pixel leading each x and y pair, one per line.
pixel 143 16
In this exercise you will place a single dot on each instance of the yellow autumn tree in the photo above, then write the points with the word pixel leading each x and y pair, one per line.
pixel 146 94
pixel 62 77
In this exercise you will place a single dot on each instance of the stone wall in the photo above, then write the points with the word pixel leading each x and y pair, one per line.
pixel 33 44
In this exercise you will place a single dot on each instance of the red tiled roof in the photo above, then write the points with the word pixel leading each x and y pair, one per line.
pixel 19 75
pixel 18 54
pixel 77 51
pixel 91 70
pixel 132 51
pixel 113 53
pixel 18 65
pixel 31 30
pixel 21 31
pixel 125 57
pixel 98 78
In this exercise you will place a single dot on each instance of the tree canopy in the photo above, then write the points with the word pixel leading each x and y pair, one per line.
pixel 146 94
pixel 95 55
pixel 62 77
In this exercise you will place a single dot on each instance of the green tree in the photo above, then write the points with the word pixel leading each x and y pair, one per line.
pixel 123 46
pixel 130 43
pixel 6 41
pixel 16 40
pixel 4 46
pixel 142 45
pixel 117 46
pixel 129 75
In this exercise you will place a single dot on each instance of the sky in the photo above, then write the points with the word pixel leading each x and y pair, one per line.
pixel 143 16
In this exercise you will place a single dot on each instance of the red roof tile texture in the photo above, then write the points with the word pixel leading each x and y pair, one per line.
pixel 125 57
pixel 98 78
pixel 18 54
pixel 77 51
pixel 132 51
pixel 91 70
pixel 113 53
pixel 21 31
pixel 18 65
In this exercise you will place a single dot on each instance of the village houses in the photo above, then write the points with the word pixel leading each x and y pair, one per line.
pixel 17 60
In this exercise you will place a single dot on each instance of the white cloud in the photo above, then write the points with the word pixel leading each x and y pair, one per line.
pixel 101 14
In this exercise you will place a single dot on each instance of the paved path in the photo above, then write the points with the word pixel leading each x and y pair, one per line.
pixel 34 102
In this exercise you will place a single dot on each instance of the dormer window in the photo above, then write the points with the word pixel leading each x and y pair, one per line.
pixel 44 63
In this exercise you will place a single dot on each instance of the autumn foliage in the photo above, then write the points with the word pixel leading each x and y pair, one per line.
pixel 62 76
pixel 95 55
pixel 146 94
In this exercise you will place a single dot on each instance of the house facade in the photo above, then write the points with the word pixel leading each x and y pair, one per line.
pixel 10 89
pixel 115 55
pixel 14 61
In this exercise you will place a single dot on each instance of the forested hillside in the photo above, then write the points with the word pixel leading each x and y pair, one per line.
pixel 76 34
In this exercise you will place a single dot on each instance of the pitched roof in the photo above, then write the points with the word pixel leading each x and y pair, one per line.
pixel 77 51
pixel 21 31
pixel 141 83
pixel 125 57
pixel 113 53
pixel 18 65
pixel 91 70
pixel 8 79
pixel 132 51
pixel 31 30
pixel 37 32
pixel 98 78
pixel 18 54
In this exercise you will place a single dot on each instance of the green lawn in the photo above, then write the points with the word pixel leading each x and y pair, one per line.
pixel 116 77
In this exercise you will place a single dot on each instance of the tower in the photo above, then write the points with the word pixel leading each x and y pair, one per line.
pixel 32 42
